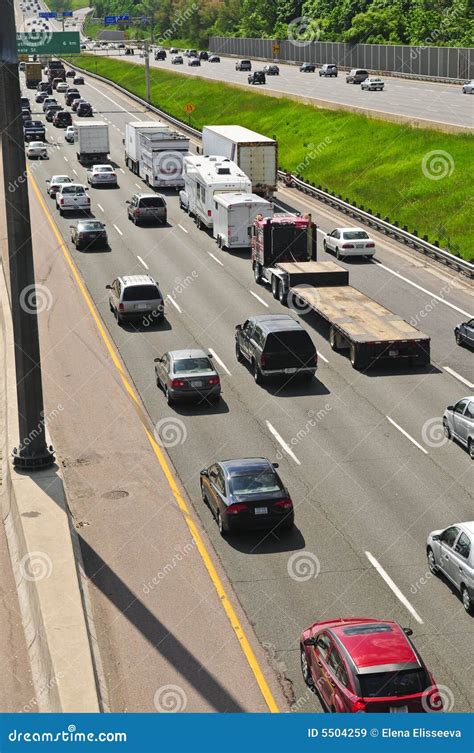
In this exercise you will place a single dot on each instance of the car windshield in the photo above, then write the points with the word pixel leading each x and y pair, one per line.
pixel 151 202
pixel 78 190
pixel 60 179
pixel 192 365
pixel 259 482
pixel 103 169
pixel 34 144
pixel 384 684
pixel 355 235
pixel 85 226
pixel 140 293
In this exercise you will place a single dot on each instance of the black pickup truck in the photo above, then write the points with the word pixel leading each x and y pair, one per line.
pixel 34 130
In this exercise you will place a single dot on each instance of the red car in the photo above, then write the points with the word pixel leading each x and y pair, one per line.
pixel 360 664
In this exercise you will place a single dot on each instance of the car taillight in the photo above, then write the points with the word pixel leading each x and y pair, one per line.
pixel 236 508
pixel 121 307
pixel 285 504
pixel 209 213
pixel 61 201
pixel 359 706
pixel 263 360
pixel 177 383
pixel 137 212
pixel 213 380
pixel 370 245
pixel 348 245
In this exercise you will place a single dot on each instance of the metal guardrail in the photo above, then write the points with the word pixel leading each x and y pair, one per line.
pixel 397 233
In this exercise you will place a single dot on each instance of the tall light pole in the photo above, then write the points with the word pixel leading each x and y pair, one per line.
pixel 32 452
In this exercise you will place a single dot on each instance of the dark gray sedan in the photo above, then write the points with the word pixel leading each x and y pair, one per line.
pixel 187 375
pixel 87 233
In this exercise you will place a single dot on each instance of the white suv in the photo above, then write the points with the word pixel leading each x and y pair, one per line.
pixel 72 197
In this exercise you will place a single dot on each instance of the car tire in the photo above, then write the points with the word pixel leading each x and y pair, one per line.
pixel 275 287
pixel 446 429
pixel 238 352
pixel 118 318
pixel 459 338
pixel 168 397
pixel 470 448
pixel 467 602
pixel 257 374
pixel 220 524
pixel 282 296
pixel 305 668
pixel 325 248
pixel 338 254
pixel 433 567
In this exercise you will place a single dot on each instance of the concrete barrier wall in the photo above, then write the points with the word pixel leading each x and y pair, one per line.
pixel 450 63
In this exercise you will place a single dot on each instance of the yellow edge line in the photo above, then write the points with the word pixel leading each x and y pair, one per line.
pixel 224 599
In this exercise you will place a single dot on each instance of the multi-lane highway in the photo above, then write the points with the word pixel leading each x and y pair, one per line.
pixel 431 102
pixel 28 13
pixel 363 455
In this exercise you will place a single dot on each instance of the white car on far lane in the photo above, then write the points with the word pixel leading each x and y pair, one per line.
pixel 373 83
pixel 37 150
pixel 349 241
pixel 468 87
pixel 102 175
pixel 54 183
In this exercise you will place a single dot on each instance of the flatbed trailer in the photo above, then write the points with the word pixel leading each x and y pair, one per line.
pixel 370 332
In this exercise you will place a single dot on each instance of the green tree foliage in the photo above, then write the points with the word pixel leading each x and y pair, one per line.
pixel 420 22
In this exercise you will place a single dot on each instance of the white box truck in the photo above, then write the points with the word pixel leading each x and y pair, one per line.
pixel 207 177
pixel 92 141
pixel 255 154
pixel 234 216
pixel 155 153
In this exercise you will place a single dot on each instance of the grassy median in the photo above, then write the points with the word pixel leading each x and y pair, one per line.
pixel 420 178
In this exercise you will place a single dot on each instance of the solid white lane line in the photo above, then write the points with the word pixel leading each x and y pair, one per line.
pixel 171 300
pixel 138 185
pixel 74 171
pixel 423 290
pixel 219 361
pixel 182 228
pixel 101 208
pixel 393 586
pixel 143 262
pixel 323 358
pixel 406 434
pixel 215 258
pixel 458 376
pixel 258 298
pixel 118 230
pixel 282 442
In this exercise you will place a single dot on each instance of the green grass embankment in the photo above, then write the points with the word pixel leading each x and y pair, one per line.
pixel 391 169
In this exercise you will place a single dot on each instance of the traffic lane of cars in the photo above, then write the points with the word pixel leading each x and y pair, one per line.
pixel 412 99
pixel 101 192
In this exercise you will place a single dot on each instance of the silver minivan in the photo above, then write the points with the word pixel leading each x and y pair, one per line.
pixel 451 552
pixel 147 207
pixel 136 297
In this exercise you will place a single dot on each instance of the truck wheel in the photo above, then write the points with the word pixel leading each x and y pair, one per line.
pixel 356 360
pixel 275 286
pixel 257 273
pixel 282 296
pixel 257 374
pixel 333 339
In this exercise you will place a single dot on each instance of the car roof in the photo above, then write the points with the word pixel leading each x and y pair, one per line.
pixel 189 353
pixel 376 649
pixel 276 322
pixel 244 465
pixel 351 229
pixel 148 195
pixel 137 280
pixel 90 220
pixel 59 177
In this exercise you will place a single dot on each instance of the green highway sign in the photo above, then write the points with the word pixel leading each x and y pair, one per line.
pixel 48 43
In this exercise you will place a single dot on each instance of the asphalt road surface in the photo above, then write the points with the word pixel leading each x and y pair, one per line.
pixel 362 489
pixel 441 103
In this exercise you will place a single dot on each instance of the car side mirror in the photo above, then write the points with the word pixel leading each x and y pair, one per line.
pixel 276 465
pixel 210 356
pixel 158 360
pixel 408 631
pixel 436 537
pixel 309 641
pixel 450 407
pixel 47 181
pixel 127 202
pixel 204 472
pixel 108 287
pixel 238 327
pixel 71 226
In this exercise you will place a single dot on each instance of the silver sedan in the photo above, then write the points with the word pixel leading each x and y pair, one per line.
pixel 458 423
pixel 468 87
pixel 102 175
pixel 187 374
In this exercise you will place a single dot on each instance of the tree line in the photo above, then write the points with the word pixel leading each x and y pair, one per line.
pixel 416 22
